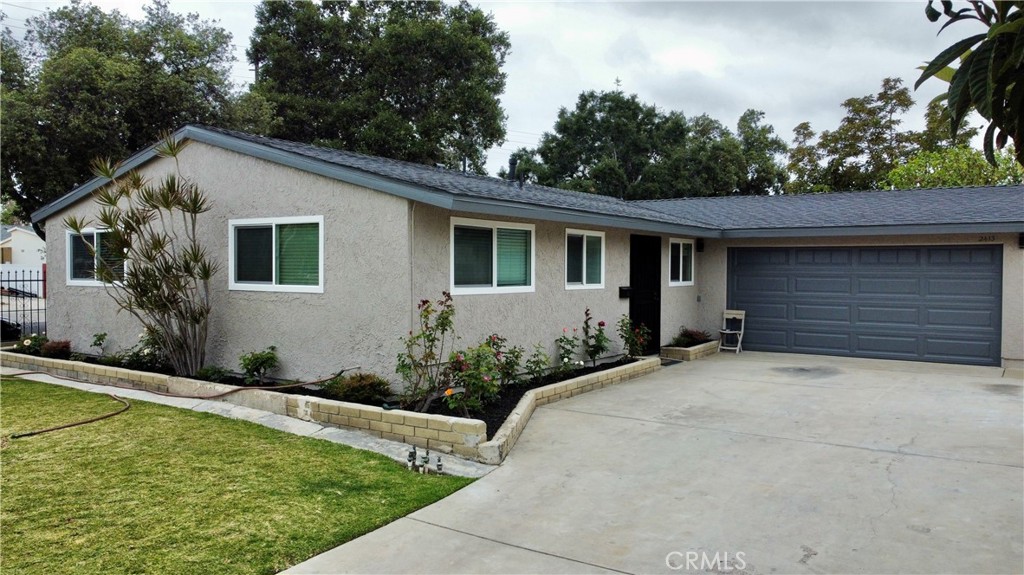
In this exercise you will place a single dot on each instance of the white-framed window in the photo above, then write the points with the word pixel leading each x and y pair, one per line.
pixel 680 256
pixel 491 257
pixel 584 259
pixel 276 254
pixel 82 262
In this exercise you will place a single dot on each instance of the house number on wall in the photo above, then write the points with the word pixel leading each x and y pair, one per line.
pixel 986 238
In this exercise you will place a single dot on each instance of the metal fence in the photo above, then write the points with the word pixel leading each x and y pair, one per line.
pixel 22 303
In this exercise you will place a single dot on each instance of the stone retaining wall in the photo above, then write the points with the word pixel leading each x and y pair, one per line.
pixel 690 353
pixel 464 437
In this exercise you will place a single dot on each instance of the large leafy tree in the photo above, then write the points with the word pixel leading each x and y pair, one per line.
pixel 614 144
pixel 958 166
pixel 988 79
pixel 417 81
pixel 86 81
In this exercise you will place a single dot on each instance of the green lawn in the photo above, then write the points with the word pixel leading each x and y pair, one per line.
pixel 164 490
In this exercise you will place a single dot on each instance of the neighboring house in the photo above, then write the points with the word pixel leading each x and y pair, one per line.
pixel 326 254
pixel 20 247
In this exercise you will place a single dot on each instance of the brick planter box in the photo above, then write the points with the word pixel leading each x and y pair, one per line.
pixel 464 437
pixel 690 353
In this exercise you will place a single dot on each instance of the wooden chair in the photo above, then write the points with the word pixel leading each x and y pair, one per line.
pixel 732 329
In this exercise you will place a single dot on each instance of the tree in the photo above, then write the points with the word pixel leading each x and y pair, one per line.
pixel 936 134
pixel 805 162
pixel 955 167
pixel 153 226
pixel 92 80
pixel 988 77
pixel 416 81
pixel 868 144
pixel 763 173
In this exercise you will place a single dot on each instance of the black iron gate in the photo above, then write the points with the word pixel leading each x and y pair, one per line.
pixel 22 303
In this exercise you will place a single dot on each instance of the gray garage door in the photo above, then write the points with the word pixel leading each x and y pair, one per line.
pixel 935 303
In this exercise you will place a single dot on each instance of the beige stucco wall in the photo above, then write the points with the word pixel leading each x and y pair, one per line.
pixel 539 316
pixel 356 321
pixel 716 266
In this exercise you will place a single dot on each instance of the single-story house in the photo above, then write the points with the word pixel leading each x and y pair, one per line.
pixel 21 248
pixel 927 275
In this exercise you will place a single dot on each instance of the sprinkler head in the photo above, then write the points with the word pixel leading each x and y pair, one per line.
pixel 412 454
pixel 439 466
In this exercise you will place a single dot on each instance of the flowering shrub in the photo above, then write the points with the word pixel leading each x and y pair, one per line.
pixel 31 345
pixel 147 355
pixel 568 346
pixel 634 338
pixel 507 360
pixel 596 342
pixel 688 337
pixel 477 371
pixel 421 365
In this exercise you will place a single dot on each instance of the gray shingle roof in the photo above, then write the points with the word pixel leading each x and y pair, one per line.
pixel 935 206
pixel 465 184
pixel 950 210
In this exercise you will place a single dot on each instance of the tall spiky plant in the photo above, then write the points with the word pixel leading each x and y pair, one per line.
pixel 150 259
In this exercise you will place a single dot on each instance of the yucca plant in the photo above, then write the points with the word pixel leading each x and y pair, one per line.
pixel 150 259
pixel 988 77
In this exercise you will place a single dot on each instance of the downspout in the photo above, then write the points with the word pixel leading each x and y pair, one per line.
pixel 412 265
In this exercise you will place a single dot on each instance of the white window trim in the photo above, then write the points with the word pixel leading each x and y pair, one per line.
pixel 494 225
pixel 604 258
pixel 68 234
pixel 273 223
pixel 693 262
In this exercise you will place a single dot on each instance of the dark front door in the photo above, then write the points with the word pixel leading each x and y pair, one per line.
pixel 645 281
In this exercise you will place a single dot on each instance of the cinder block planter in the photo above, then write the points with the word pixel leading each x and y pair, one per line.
pixel 690 353
pixel 464 437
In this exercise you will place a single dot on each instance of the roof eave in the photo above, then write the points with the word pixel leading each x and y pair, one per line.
pixel 508 209
pixel 887 230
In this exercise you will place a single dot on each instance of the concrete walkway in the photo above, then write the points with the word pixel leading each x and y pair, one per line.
pixel 757 463
pixel 398 451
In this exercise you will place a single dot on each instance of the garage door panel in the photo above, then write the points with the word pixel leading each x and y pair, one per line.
pixel 888 315
pixel 960 318
pixel 925 303
pixel 822 313
pixel 812 341
pixel 965 349
pixel 822 285
pixel 985 287
pixel 893 345
pixel 888 286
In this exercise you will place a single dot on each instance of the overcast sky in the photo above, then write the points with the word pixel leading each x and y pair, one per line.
pixel 796 61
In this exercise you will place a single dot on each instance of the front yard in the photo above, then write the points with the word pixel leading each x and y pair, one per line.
pixel 158 489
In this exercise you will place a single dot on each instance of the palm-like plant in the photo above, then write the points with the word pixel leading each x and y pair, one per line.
pixel 149 256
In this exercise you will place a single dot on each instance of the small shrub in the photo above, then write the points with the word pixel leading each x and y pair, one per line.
pixel 212 373
pixel 507 360
pixel 568 347
pixel 475 370
pixel 57 349
pixel 256 364
pixel 634 338
pixel 98 340
pixel 422 363
pixel 32 345
pixel 538 363
pixel 596 342
pixel 365 388
pixel 147 355
pixel 690 337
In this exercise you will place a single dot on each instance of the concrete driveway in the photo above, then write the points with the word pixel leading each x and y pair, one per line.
pixel 757 463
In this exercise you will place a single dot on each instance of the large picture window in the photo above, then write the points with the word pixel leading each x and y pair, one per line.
pixel 584 259
pixel 83 263
pixel 680 262
pixel 491 257
pixel 277 254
